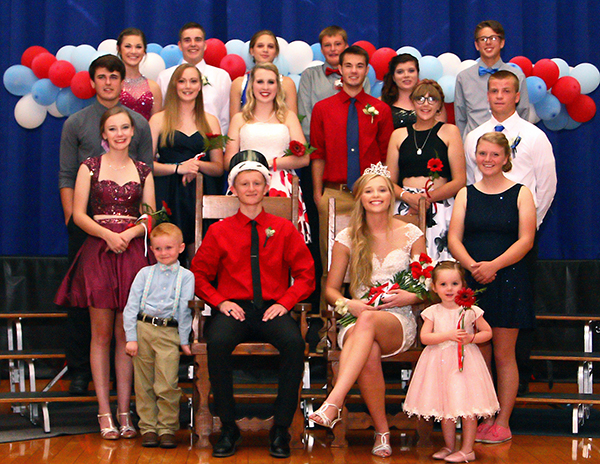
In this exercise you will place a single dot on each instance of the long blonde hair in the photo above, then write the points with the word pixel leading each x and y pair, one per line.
pixel 171 117
pixel 279 105
pixel 361 259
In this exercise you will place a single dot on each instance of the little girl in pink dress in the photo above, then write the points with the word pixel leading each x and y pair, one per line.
pixel 451 379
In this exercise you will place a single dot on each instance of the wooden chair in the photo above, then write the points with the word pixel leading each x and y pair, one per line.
pixel 218 207
pixel 362 420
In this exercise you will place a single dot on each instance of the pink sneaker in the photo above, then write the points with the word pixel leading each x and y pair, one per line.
pixel 497 434
pixel 482 431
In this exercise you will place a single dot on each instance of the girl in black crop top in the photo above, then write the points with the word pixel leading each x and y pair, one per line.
pixel 409 151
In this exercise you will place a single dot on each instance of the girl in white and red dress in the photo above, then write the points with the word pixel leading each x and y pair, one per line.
pixel 451 379
pixel 114 187
pixel 267 125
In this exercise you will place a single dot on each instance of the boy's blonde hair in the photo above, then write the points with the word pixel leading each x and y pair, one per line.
pixel 167 229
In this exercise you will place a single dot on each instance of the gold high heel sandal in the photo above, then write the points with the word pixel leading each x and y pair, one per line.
pixel 126 428
pixel 110 432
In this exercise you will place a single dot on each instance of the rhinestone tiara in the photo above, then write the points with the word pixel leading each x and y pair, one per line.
pixel 378 169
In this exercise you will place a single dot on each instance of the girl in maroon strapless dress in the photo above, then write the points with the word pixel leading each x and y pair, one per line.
pixel 138 93
pixel 114 187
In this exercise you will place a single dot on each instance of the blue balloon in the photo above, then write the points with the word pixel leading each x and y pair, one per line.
pixel 559 122
pixel 536 89
pixel 548 107
pixel 572 124
pixel 282 64
pixel 249 59
pixel 154 48
pixel 44 92
pixel 431 68
pixel 236 47
pixel 171 55
pixel 19 80
pixel 82 56
pixel 372 76
pixel 296 79
pixel 317 53
pixel 67 103
pixel 376 89
pixel 515 65
pixel 448 84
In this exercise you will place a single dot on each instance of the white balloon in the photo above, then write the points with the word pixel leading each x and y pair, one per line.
pixel 152 65
pixel 108 45
pixel 53 110
pixel 450 63
pixel 296 79
pixel 82 56
pixel 28 113
pixel 563 67
pixel 64 53
pixel 283 44
pixel 411 51
pixel 235 47
pixel 299 55
pixel 465 65
pixel 588 77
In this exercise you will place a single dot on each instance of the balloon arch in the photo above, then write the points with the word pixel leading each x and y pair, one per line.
pixel 59 84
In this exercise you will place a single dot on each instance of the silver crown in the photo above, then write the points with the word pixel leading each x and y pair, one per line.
pixel 378 169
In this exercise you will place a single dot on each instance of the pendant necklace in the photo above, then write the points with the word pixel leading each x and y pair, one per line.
pixel 420 149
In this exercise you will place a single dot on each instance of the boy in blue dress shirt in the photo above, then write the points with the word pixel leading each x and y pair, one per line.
pixel 157 321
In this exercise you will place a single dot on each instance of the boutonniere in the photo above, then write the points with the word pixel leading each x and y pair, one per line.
pixel 205 81
pixel 514 144
pixel 269 232
pixel 338 84
pixel 370 110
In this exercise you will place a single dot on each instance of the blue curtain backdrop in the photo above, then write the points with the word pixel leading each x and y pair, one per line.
pixel 31 221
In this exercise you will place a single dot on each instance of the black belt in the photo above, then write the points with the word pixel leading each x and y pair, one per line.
pixel 337 186
pixel 157 321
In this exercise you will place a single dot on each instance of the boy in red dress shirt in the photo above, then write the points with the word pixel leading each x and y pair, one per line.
pixel 251 255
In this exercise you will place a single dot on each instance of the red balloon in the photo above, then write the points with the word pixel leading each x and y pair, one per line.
pixel 547 70
pixel 524 63
pixel 234 65
pixel 60 73
pixel 215 52
pixel 29 54
pixel 380 61
pixel 450 113
pixel 81 86
pixel 582 108
pixel 41 64
pixel 368 46
pixel 566 89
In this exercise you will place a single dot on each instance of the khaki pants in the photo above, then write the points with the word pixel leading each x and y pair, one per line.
pixel 156 378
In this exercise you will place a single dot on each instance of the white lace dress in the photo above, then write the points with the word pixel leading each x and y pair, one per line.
pixel 272 140
pixel 383 271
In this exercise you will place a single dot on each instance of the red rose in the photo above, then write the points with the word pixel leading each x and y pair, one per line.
pixel 424 258
pixel 212 136
pixel 465 298
pixel 167 209
pixel 435 165
pixel 416 270
pixel 297 148
pixel 427 272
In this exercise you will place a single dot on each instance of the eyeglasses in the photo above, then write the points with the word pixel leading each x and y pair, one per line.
pixel 422 100
pixel 491 38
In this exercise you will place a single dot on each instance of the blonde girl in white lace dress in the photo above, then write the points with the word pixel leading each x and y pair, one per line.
pixel 374 248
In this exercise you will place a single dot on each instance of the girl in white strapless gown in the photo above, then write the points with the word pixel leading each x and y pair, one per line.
pixel 266 125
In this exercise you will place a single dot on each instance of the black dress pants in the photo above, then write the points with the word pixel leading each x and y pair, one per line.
pixel 224 333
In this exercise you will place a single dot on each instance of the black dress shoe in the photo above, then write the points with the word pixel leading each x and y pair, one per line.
pixel 79 384
pixel 280 442
pixel 228 440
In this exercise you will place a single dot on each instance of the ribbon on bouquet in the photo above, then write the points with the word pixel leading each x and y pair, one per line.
pixel 376 293
pixel 428 186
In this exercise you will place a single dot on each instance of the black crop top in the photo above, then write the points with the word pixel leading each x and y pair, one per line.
pixel 412 165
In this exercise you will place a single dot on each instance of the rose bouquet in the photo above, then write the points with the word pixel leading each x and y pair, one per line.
pixel 416 279
pixel 213 142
